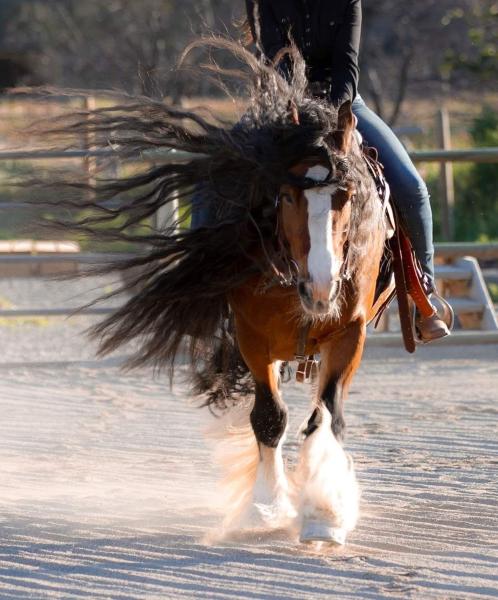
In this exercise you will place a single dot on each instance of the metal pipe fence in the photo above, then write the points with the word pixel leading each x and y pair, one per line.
pixel 443 250
pixel 82 154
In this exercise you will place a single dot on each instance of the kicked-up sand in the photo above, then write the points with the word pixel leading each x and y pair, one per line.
pixel 108 489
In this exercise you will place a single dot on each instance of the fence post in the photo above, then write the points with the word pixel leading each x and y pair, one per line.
pixel 446 177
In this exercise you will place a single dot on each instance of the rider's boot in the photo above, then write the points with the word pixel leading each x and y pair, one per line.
pixel 431 328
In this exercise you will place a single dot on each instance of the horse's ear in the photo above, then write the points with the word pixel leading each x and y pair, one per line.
pixel 346 122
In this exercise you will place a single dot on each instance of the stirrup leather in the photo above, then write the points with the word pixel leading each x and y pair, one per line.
pixel 411 287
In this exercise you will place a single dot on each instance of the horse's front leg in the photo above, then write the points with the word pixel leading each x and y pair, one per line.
pixel 329 494
pixel 271 499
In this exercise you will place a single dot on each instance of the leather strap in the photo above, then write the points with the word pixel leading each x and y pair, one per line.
pixel 402 292
pixel 307 369
pixel 384 307
pixel 302 340
pixel 306 363
pixel 414 276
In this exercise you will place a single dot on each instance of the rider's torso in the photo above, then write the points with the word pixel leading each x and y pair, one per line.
pixel 313 25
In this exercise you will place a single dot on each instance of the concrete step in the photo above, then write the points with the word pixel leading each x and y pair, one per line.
pixel 468 296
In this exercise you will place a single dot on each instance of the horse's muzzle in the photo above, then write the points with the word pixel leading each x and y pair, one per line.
pixel 318 300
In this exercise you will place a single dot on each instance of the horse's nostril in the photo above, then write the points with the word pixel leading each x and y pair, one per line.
pixel 302 289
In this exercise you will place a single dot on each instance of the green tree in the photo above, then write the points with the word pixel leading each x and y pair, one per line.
pixel 477 211
pixel 477 54
pixel 119 44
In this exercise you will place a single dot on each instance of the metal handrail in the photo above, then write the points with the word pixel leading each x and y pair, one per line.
pixel 463 155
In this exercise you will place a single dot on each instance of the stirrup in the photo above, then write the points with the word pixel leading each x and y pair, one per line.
pixel 442 309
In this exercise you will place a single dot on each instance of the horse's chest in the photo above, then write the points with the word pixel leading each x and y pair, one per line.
pixel 274 313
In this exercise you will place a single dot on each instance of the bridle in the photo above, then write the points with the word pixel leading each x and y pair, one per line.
pixel 284 268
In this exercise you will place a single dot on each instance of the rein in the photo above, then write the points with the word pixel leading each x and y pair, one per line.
pixel 283 268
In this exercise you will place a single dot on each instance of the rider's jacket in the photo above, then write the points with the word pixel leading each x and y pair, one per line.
pixel 327 32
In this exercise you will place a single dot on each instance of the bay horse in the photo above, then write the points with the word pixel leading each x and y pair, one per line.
pixel 336 248
pixel 295 247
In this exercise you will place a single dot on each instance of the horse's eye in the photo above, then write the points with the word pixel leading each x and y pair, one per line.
pixel 286 198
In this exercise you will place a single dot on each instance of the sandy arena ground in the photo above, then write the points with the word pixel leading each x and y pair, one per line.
pixel 107 487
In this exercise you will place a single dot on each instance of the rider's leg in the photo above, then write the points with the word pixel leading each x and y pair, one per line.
pixel 203 207
pixel 408 188
pixel 412 200
pixel 202 214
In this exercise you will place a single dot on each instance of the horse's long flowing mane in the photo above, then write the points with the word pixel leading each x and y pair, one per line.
pixel 182 277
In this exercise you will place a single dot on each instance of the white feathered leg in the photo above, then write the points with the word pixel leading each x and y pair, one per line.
pixel 271 491
pixel 254 489
pixel 329 502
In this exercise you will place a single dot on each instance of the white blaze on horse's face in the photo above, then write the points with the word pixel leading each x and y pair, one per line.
pixel 323 265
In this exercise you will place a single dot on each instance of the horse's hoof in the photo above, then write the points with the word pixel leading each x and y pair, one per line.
pixel 319 531
pixel 276 515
